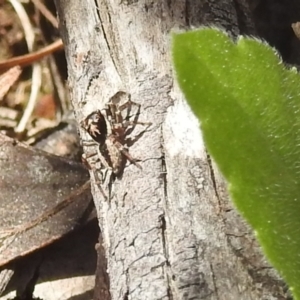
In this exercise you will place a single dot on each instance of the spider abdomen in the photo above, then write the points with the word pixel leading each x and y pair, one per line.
pixel 116 158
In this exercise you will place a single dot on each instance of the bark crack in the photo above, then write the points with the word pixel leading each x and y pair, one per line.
pixel 164 229
pixel 186 13
pixel 125 297
pixel 214 281
pixel 213 177
pixel 106 36
pixel 166 254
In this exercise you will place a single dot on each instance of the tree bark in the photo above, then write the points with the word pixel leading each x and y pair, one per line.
pixel 169 231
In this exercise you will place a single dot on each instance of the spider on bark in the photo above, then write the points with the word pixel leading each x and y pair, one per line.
pixel 110 129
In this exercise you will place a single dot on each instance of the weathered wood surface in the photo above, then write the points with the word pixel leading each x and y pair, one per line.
pixel 169 231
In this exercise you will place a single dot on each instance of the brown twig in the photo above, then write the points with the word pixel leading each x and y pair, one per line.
pixel 30 58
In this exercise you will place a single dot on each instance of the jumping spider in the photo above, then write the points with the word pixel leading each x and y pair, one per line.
pixel 109 130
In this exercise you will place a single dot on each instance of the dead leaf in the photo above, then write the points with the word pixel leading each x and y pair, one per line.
pixel 33 186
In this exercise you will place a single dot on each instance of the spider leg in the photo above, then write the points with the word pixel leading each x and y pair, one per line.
pixel 125 152
pixel 129 141
pixel 128 104
pixel 115 111
pixel 115 118
pixel 85 161
pixel 95 171
pixel 89 143
pixel 99 182
pixel 133 123
pixel 126 122
pixel 103 160
pixel 100 157
pixel 86 156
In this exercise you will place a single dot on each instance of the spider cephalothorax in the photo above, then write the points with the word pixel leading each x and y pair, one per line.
pixel 109 129
pixel 95 125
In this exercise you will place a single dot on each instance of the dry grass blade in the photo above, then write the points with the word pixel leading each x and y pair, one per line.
pixel 296 29
pixel 47 14
pixel 8 79
pixel 5 276
pixel 36 70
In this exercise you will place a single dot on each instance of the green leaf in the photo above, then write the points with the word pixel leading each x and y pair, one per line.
pixel 248 105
